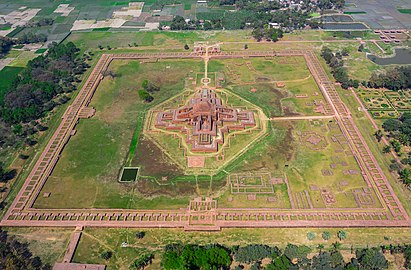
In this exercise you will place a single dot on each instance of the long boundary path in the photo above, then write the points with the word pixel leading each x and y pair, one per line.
pixel 204 214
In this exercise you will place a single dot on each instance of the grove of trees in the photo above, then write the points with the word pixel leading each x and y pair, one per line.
pixel 293 257
pixel 336 63
pixel 399 134
pixel 394 79
pixel 40 87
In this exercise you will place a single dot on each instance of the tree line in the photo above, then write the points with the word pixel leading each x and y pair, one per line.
pixel 192 257
pixel 336 63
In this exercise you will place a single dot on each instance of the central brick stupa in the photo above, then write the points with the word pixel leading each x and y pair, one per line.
pixel 205 121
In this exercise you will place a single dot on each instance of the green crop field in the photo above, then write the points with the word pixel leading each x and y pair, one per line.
pixel 404 11
pixel 8 75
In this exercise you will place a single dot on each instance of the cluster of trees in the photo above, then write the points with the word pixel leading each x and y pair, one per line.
pixel 336 63
pixel 27 38
pixel 16 255
pixel 179 23
pixel 249 17
pixel 393 79
pixel 253 253
pixel 399 133
pixel 5 45
pixel 44 78
pixel 178 256
pixel 40 87
pixel 330 4
pixel 148 89
pixel 41 22
pixel 268 33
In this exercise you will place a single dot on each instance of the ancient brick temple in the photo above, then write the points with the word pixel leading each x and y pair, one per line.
pixel 205 121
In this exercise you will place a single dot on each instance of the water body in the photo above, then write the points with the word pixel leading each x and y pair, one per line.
pixel 402 57
pixel 345 26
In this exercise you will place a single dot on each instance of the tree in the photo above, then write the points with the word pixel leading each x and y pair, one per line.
pixel 328 260
pixel 342 235
pixel 150 86
pixel 326 235
pixel 196 257
pixel 140 234
pixel 207 25
pixel 178 23
pixel 392 125
pixel 310 236
pixel 378 135
pixel 336 246
pixel 361 48
pixel 106 255
pixel 186 47
pixel 279 263
pixel 396 145
pixel 386 149
pixel 253 253
pixel 327 54
pixel 144 95
pixel 405 176
pixel 245 46
pixel 371 258
pixel 320 247
pixel 258 33
pixel 296 252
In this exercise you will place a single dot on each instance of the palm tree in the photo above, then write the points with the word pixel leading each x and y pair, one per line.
pixel 336 246
pixel 320 247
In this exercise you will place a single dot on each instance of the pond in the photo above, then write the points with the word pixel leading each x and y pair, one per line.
pixel 345 26
pixel 402 56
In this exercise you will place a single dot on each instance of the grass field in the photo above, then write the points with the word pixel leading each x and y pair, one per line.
pixel 263 75
pixel 107 136
pixel 8 75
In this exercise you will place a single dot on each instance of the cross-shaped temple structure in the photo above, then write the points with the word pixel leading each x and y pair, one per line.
pixel 205 121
